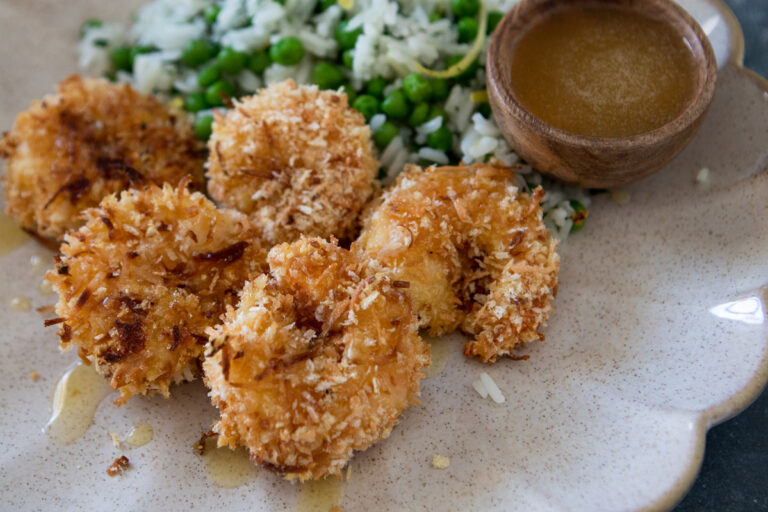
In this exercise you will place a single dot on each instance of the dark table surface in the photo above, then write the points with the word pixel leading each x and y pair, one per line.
pixel 734 474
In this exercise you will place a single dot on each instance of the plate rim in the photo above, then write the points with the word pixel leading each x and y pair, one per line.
pixel 704 419
pixel 739 401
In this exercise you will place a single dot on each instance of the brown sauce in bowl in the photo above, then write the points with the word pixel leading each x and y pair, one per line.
pixel 603 71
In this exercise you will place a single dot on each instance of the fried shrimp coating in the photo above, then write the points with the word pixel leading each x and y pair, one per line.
pixel 318 360
pixel 474 250
pixel 296 159
pixel 91 139
pixel 144 277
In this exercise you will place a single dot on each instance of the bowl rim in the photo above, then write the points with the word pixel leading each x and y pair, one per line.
pixel 499 84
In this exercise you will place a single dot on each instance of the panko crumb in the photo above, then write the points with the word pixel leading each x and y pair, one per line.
pixel 297 160
pixel 619 196
pixel 34 376
pixel 118 466
pixel 115 440
pixel 440 462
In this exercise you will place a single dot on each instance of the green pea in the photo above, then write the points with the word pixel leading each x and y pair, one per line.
pixel 437 111
pixel 326 76
pixel 366 105
pixel 467 29
pixel 440 89
pixel 395 105
pixel 351 94
pixel 468 73
pixel 211 13
pixel 579 215
pixel 121 58
pixel 195 102
pixel 288 51
pixel 346 38
pixel 494 17
pixel 325 4
pixel 417 88
pixel 419 115
pixel 208 75
pixel 384 135
pixel 203 127
pixel 89 24
pixel 348 58
pixel 216 93
pixel 231 61
pixel 376 86
pixel 463 8
pixel 440 139
pixel 258 62
pixel 198 52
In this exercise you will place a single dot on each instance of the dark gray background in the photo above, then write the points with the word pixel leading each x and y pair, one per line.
pixel 734 475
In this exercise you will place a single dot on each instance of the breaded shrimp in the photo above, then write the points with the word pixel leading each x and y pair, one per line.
pixel 145 276
pixel 474 250
pixel 318 360
pixel 89 140
pixel 296 159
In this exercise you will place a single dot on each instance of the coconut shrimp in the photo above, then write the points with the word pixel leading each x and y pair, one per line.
pixel 296 159
pixel 474 250
pixel 88 140
pixel 318 360
pixel 145 276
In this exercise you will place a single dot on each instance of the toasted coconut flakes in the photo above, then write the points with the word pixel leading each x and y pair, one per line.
pixel 440 462
pixel 119 465
pixel 493 390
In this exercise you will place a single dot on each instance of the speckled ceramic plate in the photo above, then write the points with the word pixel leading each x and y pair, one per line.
pixel 659 333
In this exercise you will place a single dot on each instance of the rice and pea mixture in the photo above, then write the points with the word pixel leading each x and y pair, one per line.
pixel 196 53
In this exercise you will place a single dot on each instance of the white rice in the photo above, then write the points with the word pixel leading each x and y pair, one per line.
pixel 434 155
pixel 377 121
pixel 493 390
pixel 702 177
pixel 480 388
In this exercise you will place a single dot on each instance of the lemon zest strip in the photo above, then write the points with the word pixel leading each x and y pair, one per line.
pixel 469 57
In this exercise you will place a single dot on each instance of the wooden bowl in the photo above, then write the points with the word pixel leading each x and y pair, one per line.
pixel 593 161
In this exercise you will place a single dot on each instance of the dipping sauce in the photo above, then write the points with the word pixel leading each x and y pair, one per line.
pixel 603 71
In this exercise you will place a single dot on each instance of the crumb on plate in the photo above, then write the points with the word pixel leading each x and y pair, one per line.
pixel 440 462
pixel 118 466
